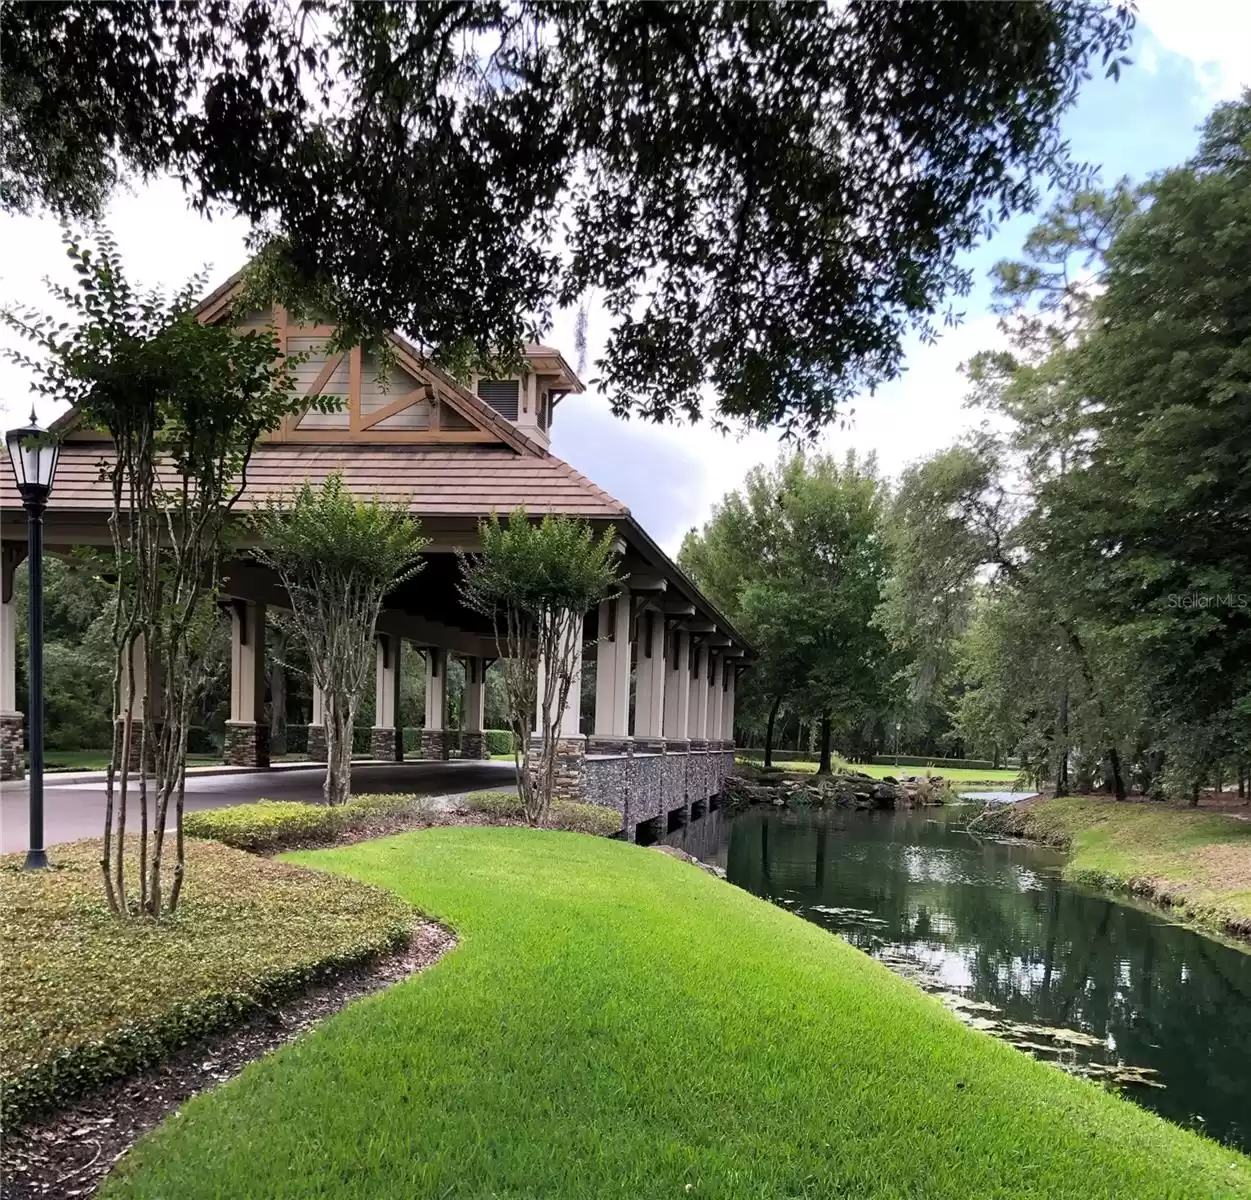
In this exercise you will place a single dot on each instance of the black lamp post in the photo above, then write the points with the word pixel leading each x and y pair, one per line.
pixel 33 455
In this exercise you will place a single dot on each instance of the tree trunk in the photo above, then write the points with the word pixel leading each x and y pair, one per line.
pixel 338 785
pixel 825 767
pixel 1118 778
pixel 277 701
pixel 1062 744
pixel 773 714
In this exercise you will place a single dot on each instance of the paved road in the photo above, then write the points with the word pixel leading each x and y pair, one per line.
pixel 75 810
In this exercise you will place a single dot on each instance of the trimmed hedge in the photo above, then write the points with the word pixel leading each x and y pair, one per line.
pixel 495 806
pixel 271 825
pixel 584 818
pixel 499 741
pixel 561 814
pixel 87 997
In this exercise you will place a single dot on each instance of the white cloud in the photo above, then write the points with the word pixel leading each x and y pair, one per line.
pixel 1215 35
pixel 162 244
pixel 671 476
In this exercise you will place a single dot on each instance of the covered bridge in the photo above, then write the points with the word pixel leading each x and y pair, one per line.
pixel 666 662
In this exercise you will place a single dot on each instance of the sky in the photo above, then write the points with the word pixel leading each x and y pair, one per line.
pixel 1188 55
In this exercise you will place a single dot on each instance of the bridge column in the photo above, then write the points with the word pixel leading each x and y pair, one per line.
pixel 386 739
pixel 649 698
pixel 247 734
pixel 611 733
pixel 317 727
pixel 434 741
pixel 473 737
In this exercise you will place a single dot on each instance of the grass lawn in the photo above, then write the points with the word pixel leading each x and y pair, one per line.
pixel 1199 862
pixel 98 760
pixel 880 770
pixel 615 1023
pixel 85 997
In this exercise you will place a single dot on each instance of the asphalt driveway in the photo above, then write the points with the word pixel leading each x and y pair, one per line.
pixel 74 808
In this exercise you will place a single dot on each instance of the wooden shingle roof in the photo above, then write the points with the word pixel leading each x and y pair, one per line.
pixel 449 480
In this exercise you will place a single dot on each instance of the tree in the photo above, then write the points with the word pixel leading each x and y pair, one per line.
pixel 797 559
pixel 764 198
pixel 183 404
pixel 1161 529
pixel 1111 517
pixel 337 557
pixel 537 581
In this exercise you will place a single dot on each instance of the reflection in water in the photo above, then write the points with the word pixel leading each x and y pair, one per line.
pixel 995 924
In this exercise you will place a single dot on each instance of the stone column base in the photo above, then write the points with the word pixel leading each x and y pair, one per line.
pixel 649 745
pixel 569 777
pixel 473 744
pixel 317 743
pixel 386 744
pixel 246 745
pixel 698 745
pixel 435 743
pixel 12 750
pixel 598 744
pixel 136 736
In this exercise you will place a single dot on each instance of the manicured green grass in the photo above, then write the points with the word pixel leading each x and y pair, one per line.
pixel 992 778
pixel 616 1023
pixel 85 996
pixel 98 760
pixel 1199 862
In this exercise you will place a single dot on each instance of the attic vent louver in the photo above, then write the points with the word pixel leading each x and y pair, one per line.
pixel 501 394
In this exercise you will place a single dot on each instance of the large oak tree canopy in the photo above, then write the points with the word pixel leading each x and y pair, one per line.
pixel 764 198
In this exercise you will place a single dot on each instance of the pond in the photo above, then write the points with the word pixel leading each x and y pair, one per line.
pixel 1098 987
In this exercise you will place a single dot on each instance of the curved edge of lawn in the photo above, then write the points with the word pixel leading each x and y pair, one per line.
pixel 616 1023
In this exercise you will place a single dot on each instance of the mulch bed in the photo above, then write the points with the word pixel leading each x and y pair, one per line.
pixel 68 1153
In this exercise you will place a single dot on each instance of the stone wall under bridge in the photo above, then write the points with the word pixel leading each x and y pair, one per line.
pixel 665 784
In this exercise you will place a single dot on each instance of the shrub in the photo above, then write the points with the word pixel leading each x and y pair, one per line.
pixel 267 825
pixel 499 741
pixel 272 825
pixel 584 818
pixel 87 998
pixel 562 814
pixel 382 804
pixel 495 806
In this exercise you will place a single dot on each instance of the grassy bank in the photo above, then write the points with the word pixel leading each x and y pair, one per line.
pixel 962 775
pixel 618 1023
pixel 1197 862
pixel 85 997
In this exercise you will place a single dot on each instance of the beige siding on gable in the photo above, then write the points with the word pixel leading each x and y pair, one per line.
pixel 259 320
pixel 415 416
pixel 375 396
pixel 306 374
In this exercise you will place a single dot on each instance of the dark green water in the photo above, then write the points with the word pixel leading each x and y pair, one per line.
pixel 990 923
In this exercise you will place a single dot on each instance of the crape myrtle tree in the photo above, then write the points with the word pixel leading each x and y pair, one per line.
pixel 183 404
pixel 536 581
pixel 337 557
pixel 762 199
